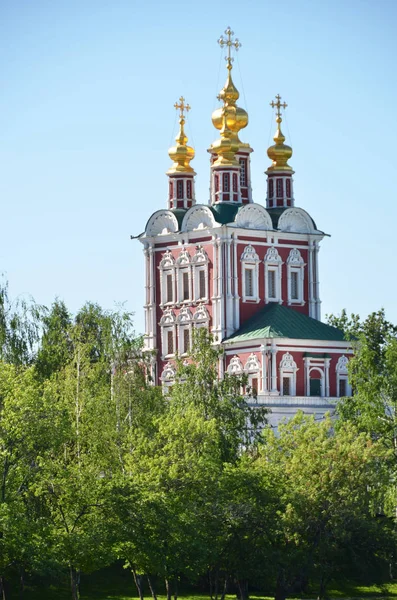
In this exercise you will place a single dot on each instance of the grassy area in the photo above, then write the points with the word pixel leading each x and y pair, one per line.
pixel 115 583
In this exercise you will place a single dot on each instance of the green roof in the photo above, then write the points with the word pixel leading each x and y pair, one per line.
pixel 224 212
pixel 277 321
pixel 179 213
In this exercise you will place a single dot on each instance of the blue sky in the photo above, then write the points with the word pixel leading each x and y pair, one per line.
pixel 87 117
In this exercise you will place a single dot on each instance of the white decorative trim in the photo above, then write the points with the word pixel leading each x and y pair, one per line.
pixel 168 317
pixel 296 220
pixel 168 374
pixel 183 258
pixel 167 260
pixel 185 315
pixel 198 217
pixel 235 366
pixel 252 365
pixel 250 262
pixel 288 369
pixel 200 255
pixel 162 222
pixel 201 314
pixel 342 365
pixel 253 216
pixel 295 264
pixel 273 263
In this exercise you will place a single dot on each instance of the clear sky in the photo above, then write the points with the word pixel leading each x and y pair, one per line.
pixel 87 117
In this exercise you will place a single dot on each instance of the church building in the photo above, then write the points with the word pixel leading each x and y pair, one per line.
pixel 248 273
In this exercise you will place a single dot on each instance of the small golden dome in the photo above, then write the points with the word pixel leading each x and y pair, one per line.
pixel 181 154
pixel 280 153
pixel 226 147
pixel 229 119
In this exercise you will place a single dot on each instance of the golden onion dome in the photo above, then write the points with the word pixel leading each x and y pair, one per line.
pixel 280 153
pixel 229 119
pixel 226 147
pixel 181 154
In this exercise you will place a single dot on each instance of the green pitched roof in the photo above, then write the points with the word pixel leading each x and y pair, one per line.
pixel 277 321
pixel 224 212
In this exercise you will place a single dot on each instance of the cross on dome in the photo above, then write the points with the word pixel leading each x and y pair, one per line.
pixel 182 107
pixel 229 43
pixel 278 105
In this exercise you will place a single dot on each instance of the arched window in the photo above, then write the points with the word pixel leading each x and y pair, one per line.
pixel 168 334
pixel 179 189
pixel 234 182
pixel 273 267
pixel 252 369
pixel 343 387
pixel 167 278
pixel 200 274
pixel 295 275
pixel 288 372
pixel 226 182
pixel 235 366
pixel 288 188
pixel 250 274
pixel 243 172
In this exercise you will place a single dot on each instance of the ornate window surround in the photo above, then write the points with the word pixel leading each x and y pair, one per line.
pixel 184 322
pixel 183 264
pixel 253 370
pixel 250 261
pixel 342 373
pixel 288 369
pixel 235 366
pixel 273 262
pixel 168 376
pixel 200 263
pixel 168 324
pixel 296 264
pixel 167 267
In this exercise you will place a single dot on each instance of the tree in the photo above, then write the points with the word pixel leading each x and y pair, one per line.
pixel 331 485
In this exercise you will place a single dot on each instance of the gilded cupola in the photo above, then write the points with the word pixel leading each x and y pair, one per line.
pixel 280 153
pixel 229 119
pixel 181 192
pixel 181 153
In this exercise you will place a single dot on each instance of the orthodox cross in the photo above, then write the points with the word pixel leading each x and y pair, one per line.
pixel 182 107
pixel 278 105
pixel 229 42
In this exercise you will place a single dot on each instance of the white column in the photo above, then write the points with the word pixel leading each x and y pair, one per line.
pixel 235 287
pixel 274 368
pixel 326 371
pixel 229 296
pixel 264 369
pixel 312 309
pixel 307 376
pixel 215 287
pixel 221 300
pixel 317 282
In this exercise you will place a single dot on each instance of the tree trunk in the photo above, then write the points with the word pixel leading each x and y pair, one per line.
pixel 224 592
pixel 3 589
pixel 176 588
pixel 281 591
pixel 138 583
pixel 21 582
pixel 152 589
pixel 168 589
pixel 243 588
pixel 75 583
pixel 322 594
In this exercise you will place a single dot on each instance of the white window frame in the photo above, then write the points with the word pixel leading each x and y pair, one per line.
pixel 273 262
pixel 250 261
pixel 200 263
pixel 253 370
pixel 181 298
pixel 167 267
pixel 168 377
pixel 201 317
pixel 296 264
pixel 288 369
pixel 181 339
pixel 167 324
pixel 342 373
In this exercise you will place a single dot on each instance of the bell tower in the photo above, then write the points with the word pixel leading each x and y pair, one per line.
pixel 279 174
